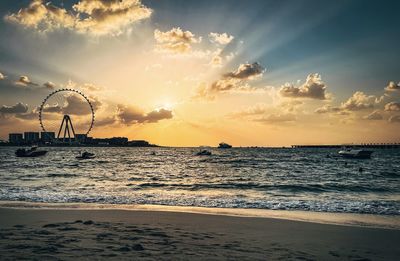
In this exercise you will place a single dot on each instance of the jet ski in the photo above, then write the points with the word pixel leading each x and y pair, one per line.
pixel 86 155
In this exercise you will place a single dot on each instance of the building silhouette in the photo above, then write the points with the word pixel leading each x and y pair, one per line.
pixel 31 137
pixel 49 138
pixel 16 138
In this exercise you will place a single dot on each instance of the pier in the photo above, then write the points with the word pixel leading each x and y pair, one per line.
pixel 360 145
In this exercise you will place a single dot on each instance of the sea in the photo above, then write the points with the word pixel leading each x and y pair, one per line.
pixel 307 179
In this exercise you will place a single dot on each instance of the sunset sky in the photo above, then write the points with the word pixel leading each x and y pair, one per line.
pixel 189 73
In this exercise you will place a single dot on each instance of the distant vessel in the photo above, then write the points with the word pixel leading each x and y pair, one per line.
pixel 356 153
pixel 203 152
pixel 32 152
pixel 224 145
pixel 86 155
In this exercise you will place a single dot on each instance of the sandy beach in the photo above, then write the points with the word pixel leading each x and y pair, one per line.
pixel 70 233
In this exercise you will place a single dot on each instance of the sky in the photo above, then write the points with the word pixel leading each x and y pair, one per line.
pixel 191 73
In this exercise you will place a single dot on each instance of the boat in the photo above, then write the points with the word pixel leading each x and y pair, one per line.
pixel 203 153
pixel 32 152
pixel 356 153
pixel 86 155
pixel 224 145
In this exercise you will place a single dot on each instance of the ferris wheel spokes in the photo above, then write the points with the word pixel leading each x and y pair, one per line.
pixel 62 103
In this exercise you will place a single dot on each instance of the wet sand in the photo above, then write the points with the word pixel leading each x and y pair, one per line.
pixel 54 234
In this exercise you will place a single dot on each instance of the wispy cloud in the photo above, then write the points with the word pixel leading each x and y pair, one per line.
pixel 221 39
pixel 175 41
pixel 375 116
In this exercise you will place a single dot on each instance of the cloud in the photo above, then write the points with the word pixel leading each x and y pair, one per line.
pixel 109 16
pixel 313 88
pixel 359 101
pixel 107 121
pixel 261 112
pixel 236 81
pixel 327 108
pixel 175 35
pixel 52 108
pixel 157 115
pixel 375 115
pixel 91 87
pixel 394 119
pixel 277 118
pixel 175 41
pixel 33 115
pixel 222 39
pixel 49 85
pixel 97 17
pixel 392 86
pixel 216 59
pixel 73 105
pixel 291 106
pixel 246 71
pixel 392 106
pixel 17 108
pixel 2 77
pixel 25 81
pixel 132 115
pixel 42 17
pixel 257 109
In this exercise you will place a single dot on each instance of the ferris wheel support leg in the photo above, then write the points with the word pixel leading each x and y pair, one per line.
pixel 59 132
pixel 72 127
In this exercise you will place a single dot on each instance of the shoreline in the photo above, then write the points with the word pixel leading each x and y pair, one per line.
pixel 328 218
pixel 120 234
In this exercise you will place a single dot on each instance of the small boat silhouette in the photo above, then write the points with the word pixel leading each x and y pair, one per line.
pixel 224 145
pixel 32 152
pixel 203 153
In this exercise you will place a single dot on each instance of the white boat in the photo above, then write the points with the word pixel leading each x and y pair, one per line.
pixel 356 153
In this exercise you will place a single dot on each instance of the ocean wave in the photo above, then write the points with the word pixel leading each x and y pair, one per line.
pixel 330 187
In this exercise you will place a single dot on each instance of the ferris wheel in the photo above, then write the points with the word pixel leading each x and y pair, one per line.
pixel 58 110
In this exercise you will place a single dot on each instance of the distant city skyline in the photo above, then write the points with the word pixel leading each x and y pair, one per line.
pixel 188 73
